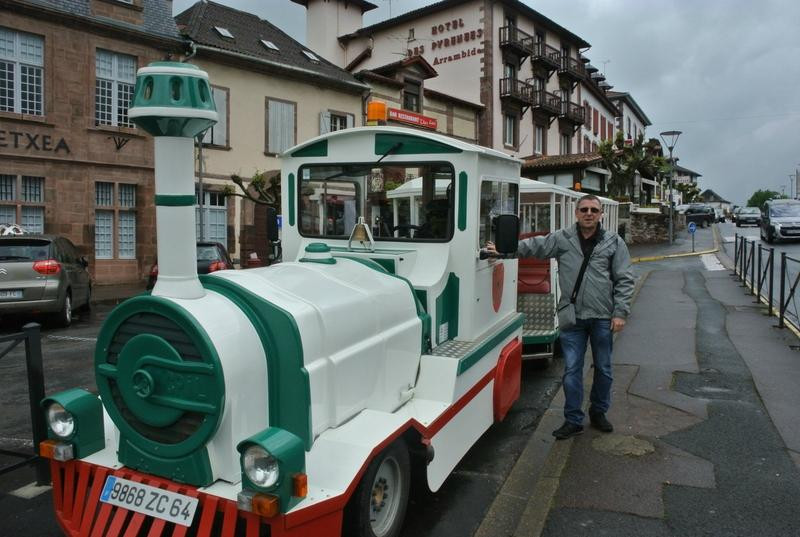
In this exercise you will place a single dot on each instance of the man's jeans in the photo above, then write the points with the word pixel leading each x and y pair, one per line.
pixel 573 346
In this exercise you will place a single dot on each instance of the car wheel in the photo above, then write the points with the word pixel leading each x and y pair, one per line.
pixel 738 224
pixel 378 505
pixel 64 317
pixel 770 237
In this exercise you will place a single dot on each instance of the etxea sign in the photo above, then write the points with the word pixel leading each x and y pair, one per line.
pixel 19 139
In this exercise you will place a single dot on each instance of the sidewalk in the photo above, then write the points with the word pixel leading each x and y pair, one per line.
pixel 681 244
pixel 116 293
pixel 707 426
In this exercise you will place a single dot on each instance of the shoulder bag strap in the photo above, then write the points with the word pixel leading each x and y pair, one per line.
pixel 586 257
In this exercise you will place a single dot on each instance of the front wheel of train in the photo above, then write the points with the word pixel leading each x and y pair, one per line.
pixel 378 505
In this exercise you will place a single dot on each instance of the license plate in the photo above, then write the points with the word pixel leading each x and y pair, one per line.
pixel 159 503
pixel 11 293
pixel 792 231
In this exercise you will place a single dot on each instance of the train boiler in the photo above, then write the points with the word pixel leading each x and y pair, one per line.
pixel 298 399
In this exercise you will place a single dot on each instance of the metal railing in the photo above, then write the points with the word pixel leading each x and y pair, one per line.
pixel 755 267
pixel 31 335
pixel 516 89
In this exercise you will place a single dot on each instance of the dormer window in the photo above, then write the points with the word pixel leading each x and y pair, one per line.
pixel 270 45
pixel 311 56
pixel 224 32
pixel 411 34
pixel 411 94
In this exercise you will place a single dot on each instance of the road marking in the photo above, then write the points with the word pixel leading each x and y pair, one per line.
pixel 711 262
pixel 29 491
pixel 72 338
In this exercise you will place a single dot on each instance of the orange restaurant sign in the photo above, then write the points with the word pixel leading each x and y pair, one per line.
pixel 404 116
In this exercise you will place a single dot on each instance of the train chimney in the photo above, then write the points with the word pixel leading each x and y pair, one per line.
pixel 172 102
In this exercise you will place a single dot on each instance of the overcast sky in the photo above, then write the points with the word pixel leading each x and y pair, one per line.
pixel 724 72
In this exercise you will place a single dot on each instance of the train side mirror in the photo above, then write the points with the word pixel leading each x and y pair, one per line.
pixel 272 224
pixel 506 233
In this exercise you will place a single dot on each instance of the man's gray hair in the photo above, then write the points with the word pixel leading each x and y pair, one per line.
pixel 589 197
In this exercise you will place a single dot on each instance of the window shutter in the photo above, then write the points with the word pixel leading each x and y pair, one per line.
pixel 594 120
pixel 603 127
pixel 610 130
pixel 324 122
pixel 351 121
pixel 220 135
pixel 281 126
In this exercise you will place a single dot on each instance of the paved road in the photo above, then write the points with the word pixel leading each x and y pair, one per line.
pixel 456 509
pixel 792 250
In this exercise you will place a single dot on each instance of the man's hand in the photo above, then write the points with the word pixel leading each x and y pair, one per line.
pixel 490 248
pixel 617 324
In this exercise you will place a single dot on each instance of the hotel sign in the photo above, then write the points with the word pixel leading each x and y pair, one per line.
pixel 404 116
pixel 451 35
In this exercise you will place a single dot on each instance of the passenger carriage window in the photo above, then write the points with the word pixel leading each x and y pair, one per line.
pixel 398 201
pixel 497 198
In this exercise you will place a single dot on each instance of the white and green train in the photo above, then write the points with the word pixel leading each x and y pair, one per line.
pixel 295 399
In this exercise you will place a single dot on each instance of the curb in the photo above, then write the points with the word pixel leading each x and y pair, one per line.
pixel 645 259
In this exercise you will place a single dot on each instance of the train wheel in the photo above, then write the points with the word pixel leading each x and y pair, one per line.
pixel 378 505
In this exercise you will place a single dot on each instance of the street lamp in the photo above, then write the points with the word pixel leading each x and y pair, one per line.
pixel 670 138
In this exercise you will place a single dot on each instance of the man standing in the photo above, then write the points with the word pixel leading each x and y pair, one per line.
pixel 601 296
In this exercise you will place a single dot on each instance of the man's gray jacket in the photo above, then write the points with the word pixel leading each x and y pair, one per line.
pixel 607 287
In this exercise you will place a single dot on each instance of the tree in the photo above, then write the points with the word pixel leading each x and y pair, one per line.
pixel 263 188
pixel 760 196
pixel 624 160
pixel 690 191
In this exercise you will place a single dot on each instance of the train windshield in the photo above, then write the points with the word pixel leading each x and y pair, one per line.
pixel 407 202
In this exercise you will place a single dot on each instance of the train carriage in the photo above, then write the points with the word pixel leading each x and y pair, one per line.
pixel 544 208
pixel 295 399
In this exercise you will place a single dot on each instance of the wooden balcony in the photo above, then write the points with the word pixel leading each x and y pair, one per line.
pixel 572 69
pixel 514 39
pixel 546 102
pixel 516 91
pixel 546 56
pixel 572 113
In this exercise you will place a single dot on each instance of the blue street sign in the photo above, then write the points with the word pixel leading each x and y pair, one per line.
pixel 692 227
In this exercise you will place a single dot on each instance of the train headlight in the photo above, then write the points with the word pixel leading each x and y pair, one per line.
pixel 74 422
pixel 260 466
pixel 60 421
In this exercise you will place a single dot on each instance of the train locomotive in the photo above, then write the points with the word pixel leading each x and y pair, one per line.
pixel 297 399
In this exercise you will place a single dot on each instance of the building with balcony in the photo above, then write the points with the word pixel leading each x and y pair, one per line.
pixel 71 162
pixel 521 71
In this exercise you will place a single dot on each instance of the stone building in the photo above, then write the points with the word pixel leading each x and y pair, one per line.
pixel 71 162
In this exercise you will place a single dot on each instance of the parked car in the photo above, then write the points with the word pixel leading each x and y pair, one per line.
pixel 748 216
pixel 681 209
pixel 211 257
pixel 701 215
pixel 43 274
pixel 720 215
pixel 735 213
pixel 780 219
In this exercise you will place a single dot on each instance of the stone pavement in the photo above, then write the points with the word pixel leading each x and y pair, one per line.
pixel 707 425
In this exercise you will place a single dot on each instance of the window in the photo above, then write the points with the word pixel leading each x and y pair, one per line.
pixel 411 34
pixel 497 198
pixel 115 78
pixel 587 112
pixel 21 72
pixel 629 129
pixel 280 126
pixel 114 219
pixel 310 55
pixel 330 121
pixel 538 83
pixel 610 127
pixel 587 144
pixel 595 120
pixel 510 71
pixel 215 217
pixel 565 95
pixel 270 45
pixel 539 139
pixel 399 201
pixel 22 201
pixel 218 133
pixel 565 148
pixel 509 130
pixel 602 127
pixel 224 32
pixel 411 95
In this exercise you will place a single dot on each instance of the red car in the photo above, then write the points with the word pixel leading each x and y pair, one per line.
pixel 211 257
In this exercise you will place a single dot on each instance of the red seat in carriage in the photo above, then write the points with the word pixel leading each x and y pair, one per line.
pixel 534 274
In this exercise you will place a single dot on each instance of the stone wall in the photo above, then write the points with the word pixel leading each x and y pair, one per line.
pixel 650 228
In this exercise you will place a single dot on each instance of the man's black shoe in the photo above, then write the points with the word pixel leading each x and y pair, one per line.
pixel 600 422
pixel 567 430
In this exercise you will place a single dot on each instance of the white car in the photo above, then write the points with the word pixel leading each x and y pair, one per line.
pixel 681 209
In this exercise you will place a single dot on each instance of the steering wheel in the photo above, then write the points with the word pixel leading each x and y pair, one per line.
pixel 407 228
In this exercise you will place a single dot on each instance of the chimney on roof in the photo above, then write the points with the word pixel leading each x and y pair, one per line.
pixel 326 21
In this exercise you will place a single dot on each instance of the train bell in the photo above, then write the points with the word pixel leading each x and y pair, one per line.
pixel 362 234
